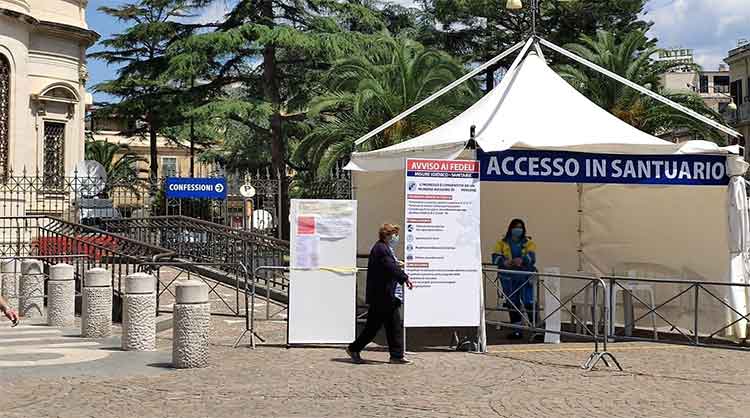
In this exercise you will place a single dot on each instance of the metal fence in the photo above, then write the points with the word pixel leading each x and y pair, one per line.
pixel 27 194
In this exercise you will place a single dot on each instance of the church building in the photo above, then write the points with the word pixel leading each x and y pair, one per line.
pixel 43 96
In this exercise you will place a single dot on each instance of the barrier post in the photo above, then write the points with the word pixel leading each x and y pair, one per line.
pixel 10 281
pixel 96 306
pixel 31 289
pixel 192 325
pixel 61 289
pixel 139 313
pixel 552 304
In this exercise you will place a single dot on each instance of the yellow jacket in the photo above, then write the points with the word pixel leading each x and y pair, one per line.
pixel 503 252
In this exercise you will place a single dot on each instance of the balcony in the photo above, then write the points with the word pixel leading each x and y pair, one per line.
pixel 741 115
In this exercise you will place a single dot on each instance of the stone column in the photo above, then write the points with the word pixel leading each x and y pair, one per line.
pixel 96 306
pixel 61 290
pixel 9 269
pixel 192 325
pixel 139 313
pixel 31 289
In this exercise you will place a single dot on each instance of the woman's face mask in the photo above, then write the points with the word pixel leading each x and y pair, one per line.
pixel 517 232
pixel 394 240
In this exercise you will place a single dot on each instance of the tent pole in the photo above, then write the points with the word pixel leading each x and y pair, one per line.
pixel 442 91
pixel 579 186
pixel 641 89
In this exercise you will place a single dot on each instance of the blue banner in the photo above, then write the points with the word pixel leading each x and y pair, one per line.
pixel 196 188
pixel 573 167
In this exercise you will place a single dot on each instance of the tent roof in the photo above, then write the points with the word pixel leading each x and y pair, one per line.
pixel 532 108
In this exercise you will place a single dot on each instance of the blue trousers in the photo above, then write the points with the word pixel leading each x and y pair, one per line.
pixel 519 294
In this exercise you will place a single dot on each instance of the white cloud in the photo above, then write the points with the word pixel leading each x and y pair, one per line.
pixel 215 12
pixel 710 27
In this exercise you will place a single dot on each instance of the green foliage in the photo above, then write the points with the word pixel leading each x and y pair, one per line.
pixel 148 95
pixel 476 30
pixel 631 57
pixel 367 89
pixel 122 170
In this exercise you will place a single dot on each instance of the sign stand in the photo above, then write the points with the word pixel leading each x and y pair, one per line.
pixel 442 251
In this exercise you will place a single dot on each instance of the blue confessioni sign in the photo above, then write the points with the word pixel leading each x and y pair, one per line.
pixel 573 167
pixel 196 188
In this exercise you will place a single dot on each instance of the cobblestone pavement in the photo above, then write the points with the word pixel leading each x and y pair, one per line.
pixel 512 381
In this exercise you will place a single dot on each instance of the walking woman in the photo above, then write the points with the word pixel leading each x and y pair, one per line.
pixel 383 276
pixel 516 251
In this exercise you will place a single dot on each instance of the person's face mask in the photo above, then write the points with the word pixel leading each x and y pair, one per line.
pixel 394 240
pixel 517 232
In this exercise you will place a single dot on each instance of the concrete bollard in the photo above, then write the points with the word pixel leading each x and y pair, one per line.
pixel 31 289
pixel 9 270
pixel 61 290
pixel 192 325
pixel 139 313
pixel 96 306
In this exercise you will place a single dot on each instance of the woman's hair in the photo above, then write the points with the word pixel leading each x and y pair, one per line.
pixel 387 230
pixel 514 222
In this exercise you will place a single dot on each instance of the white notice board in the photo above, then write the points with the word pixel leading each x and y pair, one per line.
pixel 442 247
pixel 322 278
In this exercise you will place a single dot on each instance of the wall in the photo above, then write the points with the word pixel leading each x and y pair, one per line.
pixel 47 49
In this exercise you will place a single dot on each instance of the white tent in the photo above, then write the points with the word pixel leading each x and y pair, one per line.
pixel 655 230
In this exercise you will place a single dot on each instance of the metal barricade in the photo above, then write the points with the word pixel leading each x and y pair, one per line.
pixel 533 325
pixel 701 295
pixel 250 297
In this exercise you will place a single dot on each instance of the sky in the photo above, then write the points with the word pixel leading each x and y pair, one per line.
pixel 710 27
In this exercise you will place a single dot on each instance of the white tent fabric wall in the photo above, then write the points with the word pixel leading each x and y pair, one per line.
pixel 674 231
pixel 739 225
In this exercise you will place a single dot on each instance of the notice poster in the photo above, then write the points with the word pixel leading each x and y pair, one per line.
pixel 442 249
pixel 307 252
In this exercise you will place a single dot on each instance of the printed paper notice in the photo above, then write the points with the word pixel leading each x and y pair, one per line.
pixel 442 248
pixel 307 252
pixel 335 227
pixel 305 225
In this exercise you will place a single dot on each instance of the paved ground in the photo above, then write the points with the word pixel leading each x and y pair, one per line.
pixel 272 381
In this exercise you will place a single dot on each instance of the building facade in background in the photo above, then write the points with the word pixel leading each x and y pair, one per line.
pixel 739 68
pixel 43 95
pixel 713 86
pixel 174 160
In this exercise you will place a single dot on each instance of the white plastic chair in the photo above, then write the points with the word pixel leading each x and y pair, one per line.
pixel 646 289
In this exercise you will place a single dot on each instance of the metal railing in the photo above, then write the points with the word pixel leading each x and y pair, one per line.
pixel 250 297
pixel 531 323
pixel 699 293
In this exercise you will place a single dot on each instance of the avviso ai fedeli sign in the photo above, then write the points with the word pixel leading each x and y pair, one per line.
pixel 196 188
pixel 572 167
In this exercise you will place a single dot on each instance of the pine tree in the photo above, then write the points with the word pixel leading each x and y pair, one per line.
pixel 145 92
pixel 264 64
pixel 480 29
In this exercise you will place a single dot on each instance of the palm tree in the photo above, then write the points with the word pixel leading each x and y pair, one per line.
pixel 121 170
pixel 368 89
pixel 631 57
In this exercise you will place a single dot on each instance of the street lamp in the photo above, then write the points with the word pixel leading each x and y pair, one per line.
pixel 518 4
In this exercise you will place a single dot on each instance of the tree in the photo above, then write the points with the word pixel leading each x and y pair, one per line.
pixel 631 57
pixel 477 30
pixel 272 53
pixel 122 170
pixel 146 93
pixel 374 86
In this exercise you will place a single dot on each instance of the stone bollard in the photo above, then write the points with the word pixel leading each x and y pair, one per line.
pixel 31 289
pixel 139 313
pixel 10 281
pixel 96 306
pixel 61 290
pixel 192 325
